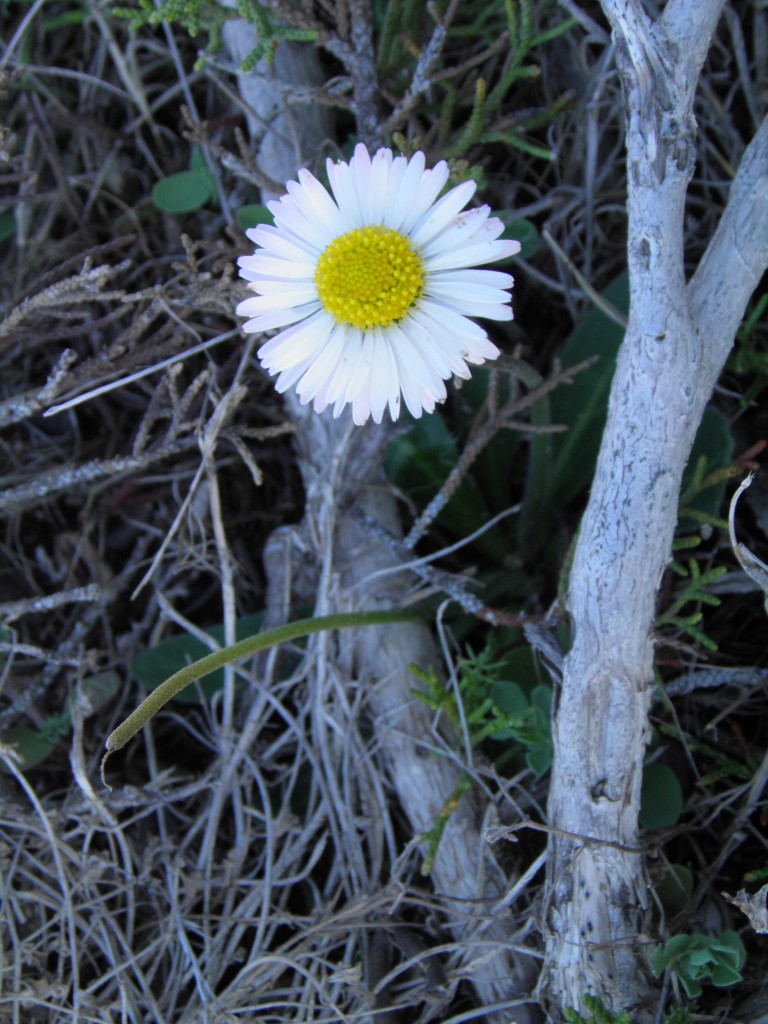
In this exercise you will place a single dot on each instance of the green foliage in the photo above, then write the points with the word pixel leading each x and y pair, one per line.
pixel 515 19
pixel 156 664
pixel 749 356
pixel 661 800
pixel 522 231
pixel 601 1015
pixel 696 958
pixel 208 16
pixel 675 888
pixel 561 465
pixel 529 722
pixel 250 216
pixel 490 707
pixel 188 190
pixel 708 471
pixel 494 708
pixel 7 226
pixel 419 462
pixel 726 767
pixel 694 592
pixel 680 1015
pixel 476 113
pixel 34 745
pixel 435 834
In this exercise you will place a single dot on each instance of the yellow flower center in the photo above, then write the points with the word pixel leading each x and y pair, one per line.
pixel 369 277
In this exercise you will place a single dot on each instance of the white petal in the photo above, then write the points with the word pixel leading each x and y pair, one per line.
pixel 358 378
pixel 275 241
pixel 261 265
pixel 442 213
pixel 460 291
pixel 279 294
pixel 480 252
pixel 394 183
pixel 259 304
pixel 418 190
pixel 361 168
pixel 361 408
pixel 346 339
pixel 380 381
pixel 278 318
pixel 377 188
pixel 438 318
pixel 314 201
pixel 297 344
pixel 486 278
pixel 420 383
pixel 423 339
pixel 292 218
pixel 287 379
pixel 482 350
pixel 360 162
pixel 472 300
pixel 466 228
pixel 341 383
pixel 318 373
pixel 341 179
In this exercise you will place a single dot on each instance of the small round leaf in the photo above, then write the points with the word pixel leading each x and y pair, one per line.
pixel 182 192
pixel 661 801
pixel 250 216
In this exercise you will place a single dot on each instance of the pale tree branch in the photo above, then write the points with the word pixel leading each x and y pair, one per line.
pixel 737 251
pixel 689 26
pixel 597 910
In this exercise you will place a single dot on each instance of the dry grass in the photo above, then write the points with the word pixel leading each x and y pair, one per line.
pixel 251 861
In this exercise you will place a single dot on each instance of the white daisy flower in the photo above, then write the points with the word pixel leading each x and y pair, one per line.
pixel 371 285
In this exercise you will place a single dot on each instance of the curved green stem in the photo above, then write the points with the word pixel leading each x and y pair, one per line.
pixel 243 649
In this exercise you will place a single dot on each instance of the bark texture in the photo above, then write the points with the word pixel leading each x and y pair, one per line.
pixel 596 904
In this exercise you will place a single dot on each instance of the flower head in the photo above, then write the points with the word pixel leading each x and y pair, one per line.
pixel 371 286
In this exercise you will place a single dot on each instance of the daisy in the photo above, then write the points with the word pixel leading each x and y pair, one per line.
pixel 371 286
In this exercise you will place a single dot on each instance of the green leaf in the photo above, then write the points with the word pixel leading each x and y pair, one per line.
pixel 35 745
pixel 692 988
pixel 729 942
pixel 539 759
pixel 7 226
pixel 541 698
pixel 510 698
pixel 198 162
pixel 678 945
pixel 699 958
pixel 32 745
pixel 724 975
pixel 661 801
pixel 99 690
pixel 659 961
pixel 714 440
pixel 419 462
pixel 73 17
pixel 155 665
pixel 561 465
pixel 182 192
pixel 583 405
pixel 495 469
pixel 675 888
pixel 250 216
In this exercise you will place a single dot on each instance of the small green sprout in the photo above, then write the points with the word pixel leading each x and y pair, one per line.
pixel 695 958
